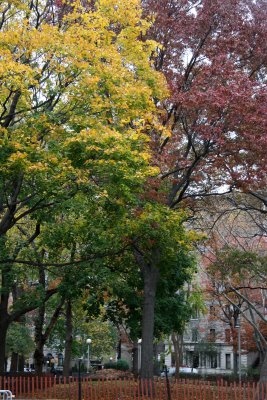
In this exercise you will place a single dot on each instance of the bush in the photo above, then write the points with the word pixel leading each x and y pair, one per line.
pixel 121 365
pixel 110 365
pixel 252 373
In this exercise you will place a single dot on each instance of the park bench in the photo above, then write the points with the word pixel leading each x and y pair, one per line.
pixel 6 395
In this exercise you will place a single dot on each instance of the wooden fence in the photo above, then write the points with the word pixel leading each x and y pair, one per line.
pixel 50 388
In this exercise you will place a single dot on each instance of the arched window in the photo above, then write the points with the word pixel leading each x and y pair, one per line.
pixel 60 359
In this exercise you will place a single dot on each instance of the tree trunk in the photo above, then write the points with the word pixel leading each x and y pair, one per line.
pixel 21 363
pixel 39 358
pixel 3 333
pixel 17 363
pixel 14 365
pixel 150 276
pixel 41 336
pixel 177 341
pixel 39 340
pixel 119 350
pixel 4 316
pixel 235 354
pixel 68 340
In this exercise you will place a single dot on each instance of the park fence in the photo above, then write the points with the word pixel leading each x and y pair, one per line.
pixel 50 388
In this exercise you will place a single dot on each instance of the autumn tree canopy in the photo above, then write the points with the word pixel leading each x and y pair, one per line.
pixel 76 99
pixel 98 154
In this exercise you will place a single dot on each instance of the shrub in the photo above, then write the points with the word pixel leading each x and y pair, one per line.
pixel 110 365
pixel 122 365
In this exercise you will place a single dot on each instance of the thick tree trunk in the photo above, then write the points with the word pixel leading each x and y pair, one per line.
pixel 21 363
pixel 17 363
pixel 39 358
pixel 14 365
pixel 177 341
pixel 3 333
pixel 150 276
pixel 68 340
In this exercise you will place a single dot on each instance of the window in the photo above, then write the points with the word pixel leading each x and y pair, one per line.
pixel 202 359
pixel 194 335
pixel 60 360
pixel 227 335
pixel 195 361
pixel 212 335
pixel 227 361
pixel 219 360
pixel 213 361
pixel 189 358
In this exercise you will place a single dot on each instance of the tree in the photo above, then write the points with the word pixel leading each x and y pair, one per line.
pixel 122 294
pixel 163 249
pixel 77 92
pixel 19 342
pixel 213 61
pixel 238 282
pixel 102 333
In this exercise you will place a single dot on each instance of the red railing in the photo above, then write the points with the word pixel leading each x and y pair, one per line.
pixel 48 388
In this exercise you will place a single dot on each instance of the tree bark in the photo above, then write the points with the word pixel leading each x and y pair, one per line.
pixel 177 341
pixel 68 340
pixel 3 332
pixel 39 324
pixel 14 362
pixel 4 316
pixel 40 336
pixel 17 363
pixel 150 275
pixel 119 349
pixel 39 358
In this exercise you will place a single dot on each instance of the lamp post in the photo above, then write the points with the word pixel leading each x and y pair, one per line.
pixel 139 353
pixel 238 326
pixel 88 341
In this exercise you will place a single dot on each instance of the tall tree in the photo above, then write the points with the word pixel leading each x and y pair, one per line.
pixel 215 66
pixel 76 95
pixel 238 283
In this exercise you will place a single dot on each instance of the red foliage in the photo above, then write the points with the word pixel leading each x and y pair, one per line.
pixel 214 59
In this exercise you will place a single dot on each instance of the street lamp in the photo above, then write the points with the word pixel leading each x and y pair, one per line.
pixel 238 326
pixel 139 353
pixel 88 341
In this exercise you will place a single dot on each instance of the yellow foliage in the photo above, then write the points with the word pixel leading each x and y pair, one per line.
pixel 77 92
